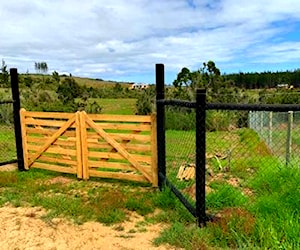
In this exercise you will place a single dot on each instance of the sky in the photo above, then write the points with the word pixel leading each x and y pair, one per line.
pixel 122 40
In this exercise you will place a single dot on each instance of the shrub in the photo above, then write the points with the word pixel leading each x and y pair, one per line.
pixel 6 114
pixel 180 119
pixel 145 102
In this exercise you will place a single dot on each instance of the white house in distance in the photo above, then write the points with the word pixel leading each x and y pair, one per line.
pixel 139 86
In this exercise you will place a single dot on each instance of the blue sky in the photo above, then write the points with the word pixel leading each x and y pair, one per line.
pixel 124 39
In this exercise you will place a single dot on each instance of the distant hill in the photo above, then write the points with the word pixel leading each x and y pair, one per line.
pixel 89 82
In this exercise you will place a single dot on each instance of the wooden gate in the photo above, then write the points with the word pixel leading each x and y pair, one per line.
pixel 107 146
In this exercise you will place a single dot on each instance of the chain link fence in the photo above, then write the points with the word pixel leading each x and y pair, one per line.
pixel 180 139
pixel 280 131
pixel 242 146
pixel 7 136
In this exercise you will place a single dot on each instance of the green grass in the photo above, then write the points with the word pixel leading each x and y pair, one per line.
pixel 117 106
pixel 265 217
pixel 7 143
pixel 122 106
pixel 78 201
pixel 260 211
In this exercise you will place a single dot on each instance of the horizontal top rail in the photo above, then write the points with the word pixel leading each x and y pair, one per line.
pixel 233 106
pixel 175 102
pixel 254 107
pixel 7 102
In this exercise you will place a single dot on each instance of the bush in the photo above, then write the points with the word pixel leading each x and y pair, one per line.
pixel 145 102
pixel 68 90
pixel 6 114
pixel 221 120
pixel 89 106
pixel 180 119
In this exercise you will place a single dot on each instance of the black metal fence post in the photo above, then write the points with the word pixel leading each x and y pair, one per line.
pixel 160 110
pixel 200 156
pixel 17 121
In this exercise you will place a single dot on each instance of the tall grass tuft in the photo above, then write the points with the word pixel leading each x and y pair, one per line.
pixel 277 207
pixel 224 196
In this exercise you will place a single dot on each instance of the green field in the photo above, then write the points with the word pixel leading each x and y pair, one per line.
pixel 117 106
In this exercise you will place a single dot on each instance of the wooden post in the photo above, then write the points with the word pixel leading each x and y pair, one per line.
pixel 154 151
pixel 270 129
pixel 160 110
pixel 24 137
pixel 84 146
pixel 78 146
pixel 200 156
pixel 289 138
pixel 17 120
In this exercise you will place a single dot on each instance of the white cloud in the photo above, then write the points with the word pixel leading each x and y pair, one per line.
pixel 118 38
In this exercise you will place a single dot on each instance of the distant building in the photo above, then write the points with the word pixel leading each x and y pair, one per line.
pixel 139 86
pixel 283 86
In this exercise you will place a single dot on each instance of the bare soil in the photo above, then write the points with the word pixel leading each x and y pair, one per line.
pixel 23 228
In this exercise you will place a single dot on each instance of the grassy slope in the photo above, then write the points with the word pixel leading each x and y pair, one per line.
pixel 89 82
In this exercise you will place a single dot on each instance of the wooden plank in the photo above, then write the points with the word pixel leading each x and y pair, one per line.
pixel 124 126
pixel 118 147
pixel 116 165
pixel 142 158
pixel 99 145
pixel 116 156
pixel 53 167
pixel 78 147
pixel 48 132
pixel 84 147
pixel 46 123
pixel 59 142
pixel 120 176
pixel 122 137
pixel 58 160
pixel 105 155
pixel 154 166
pixel 134 147
pixel 111 165
pixel 55 115
pixel 24 138
pixel 52 149
pixel 138 147
pixel 119 118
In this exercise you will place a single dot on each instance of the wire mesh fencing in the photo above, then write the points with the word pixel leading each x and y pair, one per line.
pixel 280 131
pixel 7 136
pixel 180 149
pixel 244 148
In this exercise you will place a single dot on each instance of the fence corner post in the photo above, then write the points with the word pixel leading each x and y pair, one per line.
pixel 17 120
pixel 160 121
pixel 200 156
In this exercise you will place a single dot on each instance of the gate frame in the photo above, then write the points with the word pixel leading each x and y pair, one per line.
pixel 199 212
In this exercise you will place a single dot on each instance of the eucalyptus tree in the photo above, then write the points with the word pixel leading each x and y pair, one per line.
pixel 4 75
pixel 208 76
pixel 41 67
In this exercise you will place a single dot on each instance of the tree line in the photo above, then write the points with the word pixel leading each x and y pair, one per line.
pixel 264 80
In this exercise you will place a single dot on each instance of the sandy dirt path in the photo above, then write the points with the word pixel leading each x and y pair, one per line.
pixel 23 228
